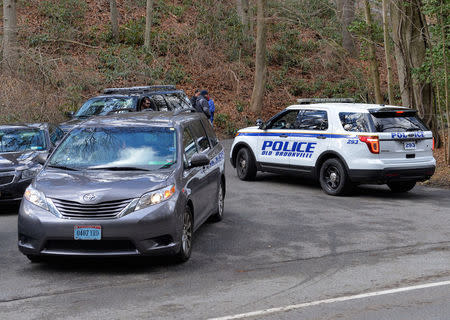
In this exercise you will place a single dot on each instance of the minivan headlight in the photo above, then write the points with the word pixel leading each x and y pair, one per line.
pixel 36 197
pixel 155 197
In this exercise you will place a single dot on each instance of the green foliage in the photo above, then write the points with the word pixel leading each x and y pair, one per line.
pixel 65 18
pixel 360 29
pixel 299 88
pixel 175 74
pixel 132 32
pixel 240 106
pixel 221 119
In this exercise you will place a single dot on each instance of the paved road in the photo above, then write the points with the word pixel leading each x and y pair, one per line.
pixel 283 242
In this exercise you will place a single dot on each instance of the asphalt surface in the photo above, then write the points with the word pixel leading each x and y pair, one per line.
pixel 282 243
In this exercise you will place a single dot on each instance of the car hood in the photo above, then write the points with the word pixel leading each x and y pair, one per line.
pixel 68 125
pixel 103 185
pixel 15 159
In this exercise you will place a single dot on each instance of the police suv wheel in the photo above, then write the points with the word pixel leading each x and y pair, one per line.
pixel 399 187
pixel 218 216
pixel 186 237
pixel 245 165
pixel 333 177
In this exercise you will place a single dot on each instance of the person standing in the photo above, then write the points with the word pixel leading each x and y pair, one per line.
pixel 194 97
pixel 201 104
pixel 212 108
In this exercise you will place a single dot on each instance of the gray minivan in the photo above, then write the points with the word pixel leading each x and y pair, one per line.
pixel 125 184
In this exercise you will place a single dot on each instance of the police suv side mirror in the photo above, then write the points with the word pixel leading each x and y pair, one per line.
pixel 42 158
pixel 199 160
pixel 260 123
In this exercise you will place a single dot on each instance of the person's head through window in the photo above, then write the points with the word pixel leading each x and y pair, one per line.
pixel 145 104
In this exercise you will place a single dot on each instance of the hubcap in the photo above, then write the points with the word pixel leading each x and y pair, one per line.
pixel 242 165
pixel 187 233
pixel 332 177
pixel 221 200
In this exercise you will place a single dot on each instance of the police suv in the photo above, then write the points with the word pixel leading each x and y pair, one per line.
pixel 340 144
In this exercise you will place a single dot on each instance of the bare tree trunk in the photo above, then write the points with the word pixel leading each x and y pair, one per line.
pixel 444 54
pixel 10 52
pixel 388 52
pixel 372 56
pixel 409 31
pixel 148 24
pixel 256 102
pixel 242 8
pixel 114 19
pixel 346 14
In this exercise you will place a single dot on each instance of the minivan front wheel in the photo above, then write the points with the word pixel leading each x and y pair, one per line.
pixel 403 186
pixel 186 237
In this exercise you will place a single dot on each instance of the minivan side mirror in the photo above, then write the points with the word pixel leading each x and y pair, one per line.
pixel 199 160
pixel 42 158
pixel 69 114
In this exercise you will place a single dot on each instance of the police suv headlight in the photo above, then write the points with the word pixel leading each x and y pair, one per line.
pixel 155 197
pixel 36 197
pixel 31 172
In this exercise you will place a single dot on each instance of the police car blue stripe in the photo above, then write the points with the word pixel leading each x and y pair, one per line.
pixel 292 134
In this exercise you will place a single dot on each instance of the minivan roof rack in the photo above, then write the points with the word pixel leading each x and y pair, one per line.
pixel 325 100
pixel 142 89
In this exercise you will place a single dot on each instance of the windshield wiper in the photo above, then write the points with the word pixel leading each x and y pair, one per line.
pixel 119 168
pixel 63 167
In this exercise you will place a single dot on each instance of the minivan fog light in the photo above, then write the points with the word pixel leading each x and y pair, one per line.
pixel 155 197
pixel 36 197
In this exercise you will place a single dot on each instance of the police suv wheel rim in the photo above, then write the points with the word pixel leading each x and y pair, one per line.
pixel 242 165
pixel 186 237
pixel 332 177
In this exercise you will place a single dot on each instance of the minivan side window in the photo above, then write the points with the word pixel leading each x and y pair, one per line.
pixel 199 133
pixel 189 146
pixel 210 132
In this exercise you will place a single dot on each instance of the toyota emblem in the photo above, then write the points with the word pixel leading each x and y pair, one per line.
pixel 89 197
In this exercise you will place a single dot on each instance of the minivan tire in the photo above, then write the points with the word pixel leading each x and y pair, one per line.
pixel 218 216
pixel 185 250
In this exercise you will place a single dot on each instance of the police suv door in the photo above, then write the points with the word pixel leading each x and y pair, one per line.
pixel 274 139
pixel 309 138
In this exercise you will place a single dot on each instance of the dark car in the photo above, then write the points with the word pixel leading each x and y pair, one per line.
pixel 20 145
pixel 125 184
pixel 122 100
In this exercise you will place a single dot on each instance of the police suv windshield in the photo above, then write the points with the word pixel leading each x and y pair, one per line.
pixel 105 105
pixel 117 148
pixel 381 122
pixel 13 140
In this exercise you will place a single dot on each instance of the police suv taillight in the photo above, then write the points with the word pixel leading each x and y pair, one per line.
pixel 372 143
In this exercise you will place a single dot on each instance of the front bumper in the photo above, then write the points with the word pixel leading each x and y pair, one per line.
pixel 151 231
pixel 391 175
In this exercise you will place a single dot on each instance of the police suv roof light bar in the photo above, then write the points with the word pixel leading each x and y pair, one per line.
pixel 141 89
pixel 325 100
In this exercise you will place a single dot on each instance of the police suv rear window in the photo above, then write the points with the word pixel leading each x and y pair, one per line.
pixel 397 122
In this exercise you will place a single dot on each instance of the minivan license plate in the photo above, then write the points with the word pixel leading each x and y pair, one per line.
pixel 410 145
pixel 87 232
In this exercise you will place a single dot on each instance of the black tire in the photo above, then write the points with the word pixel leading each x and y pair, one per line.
pixel 399 187
pixel 245 165
pixel 218 216
pixel 333 178
pixel 33 258
pixel 186 237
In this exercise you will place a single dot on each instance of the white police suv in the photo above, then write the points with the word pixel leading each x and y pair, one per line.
pixel 340 144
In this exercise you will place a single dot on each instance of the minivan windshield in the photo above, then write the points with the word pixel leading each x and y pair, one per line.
pixel 14 140
pixel 117 148
pixel 103 106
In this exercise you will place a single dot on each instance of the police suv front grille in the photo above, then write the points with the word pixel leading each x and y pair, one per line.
pixel 103 210
pixel 6 179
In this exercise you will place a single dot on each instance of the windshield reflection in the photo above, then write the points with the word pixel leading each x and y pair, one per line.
pixel 14 140
pixel 103 106
pixel 117 148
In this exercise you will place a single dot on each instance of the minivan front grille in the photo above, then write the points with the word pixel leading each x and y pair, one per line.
pixel 6 179
pixel 102 210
